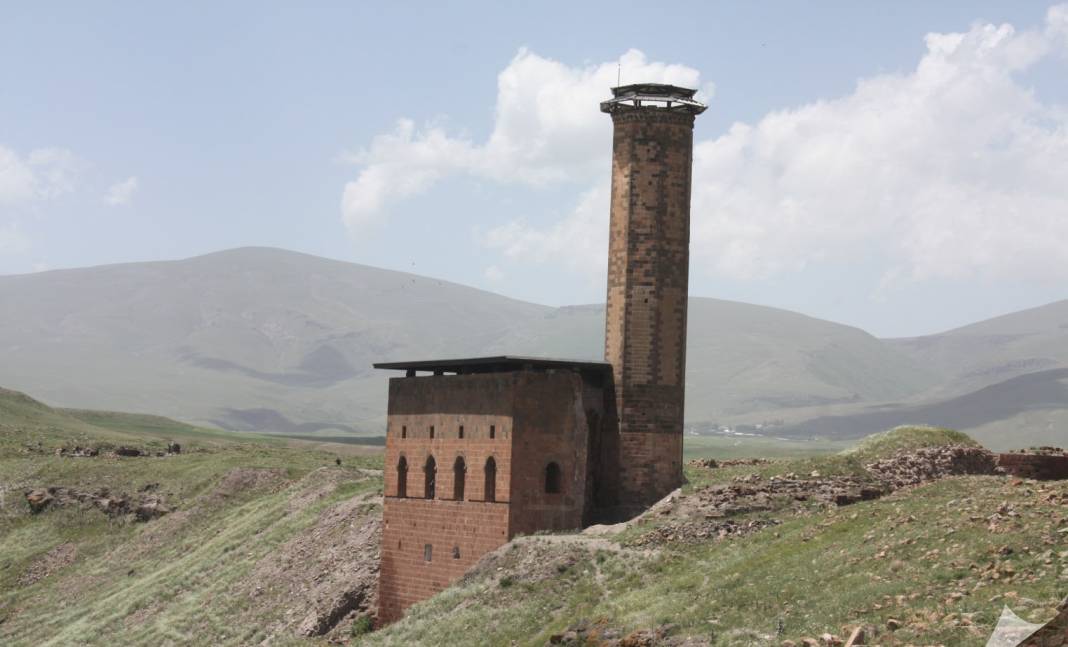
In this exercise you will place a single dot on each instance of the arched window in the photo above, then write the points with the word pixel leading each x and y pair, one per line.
pixel 491 480
pixel 430 474
pixel 552 478
pixel 459 475
pixel 402 477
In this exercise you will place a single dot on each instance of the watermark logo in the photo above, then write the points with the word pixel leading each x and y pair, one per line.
pixel 1014 631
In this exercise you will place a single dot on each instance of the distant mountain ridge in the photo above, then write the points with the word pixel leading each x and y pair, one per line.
pixel 273 340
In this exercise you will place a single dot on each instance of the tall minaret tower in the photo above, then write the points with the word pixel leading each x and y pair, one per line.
pixel 648 272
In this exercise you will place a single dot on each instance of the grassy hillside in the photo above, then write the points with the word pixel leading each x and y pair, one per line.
pixel 265 339
pixel 254 520
pixel 272 542
pixel 936 561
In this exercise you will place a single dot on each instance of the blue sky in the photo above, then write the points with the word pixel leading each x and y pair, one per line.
pixel 849 166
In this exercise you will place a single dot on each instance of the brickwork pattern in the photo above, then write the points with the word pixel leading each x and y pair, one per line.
pixel 458 534
pixel 648 273
pixel 549 434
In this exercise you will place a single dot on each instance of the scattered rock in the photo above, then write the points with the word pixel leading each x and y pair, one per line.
pixel 711 463
pixel 598 633
pixel 52 561
pixel 78 452
pixel 39 500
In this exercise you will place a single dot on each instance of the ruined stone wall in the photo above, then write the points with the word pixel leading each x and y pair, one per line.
pixel 648 266
pixel 1042 467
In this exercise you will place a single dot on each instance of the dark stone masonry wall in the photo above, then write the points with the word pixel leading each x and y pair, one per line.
pixel 1041 467
pixel 648 273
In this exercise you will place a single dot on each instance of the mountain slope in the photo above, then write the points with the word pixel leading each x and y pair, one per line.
pixel 274 340
pixel 1015 413
pixel 278 542
pixel 994 350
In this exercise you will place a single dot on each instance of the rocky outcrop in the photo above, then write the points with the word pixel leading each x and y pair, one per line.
pixel 123 451
pixel 142 507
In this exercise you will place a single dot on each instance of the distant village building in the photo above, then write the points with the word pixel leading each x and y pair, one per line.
pixel 480 450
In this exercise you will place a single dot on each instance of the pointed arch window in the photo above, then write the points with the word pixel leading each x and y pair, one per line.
pixel 430 475
pixel 402 477
pixel 490 487
pixel 459 476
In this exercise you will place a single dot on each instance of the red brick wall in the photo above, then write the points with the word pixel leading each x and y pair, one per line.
pixel 405 577
pixel 474 526
pixel 474 401
pixel 538 417
pixel 645 325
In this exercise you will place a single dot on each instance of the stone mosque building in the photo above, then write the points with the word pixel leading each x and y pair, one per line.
pixel 480 450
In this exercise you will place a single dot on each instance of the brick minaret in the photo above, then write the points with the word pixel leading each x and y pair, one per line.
pixel 648 268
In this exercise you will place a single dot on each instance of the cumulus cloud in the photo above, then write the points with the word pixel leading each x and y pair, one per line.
pixel 953 169
pixel 545 132
pixel 121 193
pixel 579 241
pixel 42 174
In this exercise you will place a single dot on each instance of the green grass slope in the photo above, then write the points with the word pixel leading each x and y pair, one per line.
pixel 939 560
pixel 73 575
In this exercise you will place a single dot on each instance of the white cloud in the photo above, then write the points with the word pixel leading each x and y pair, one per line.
pixel 951 170
pixel 579 241
pixel 121 193
pixel 493 274
pixel 954 169
pixel 546 130
pixel 42 174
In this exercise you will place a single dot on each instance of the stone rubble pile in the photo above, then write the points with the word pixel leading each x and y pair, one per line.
pixel 704 514
pixel 931 463
pixel 699 531
pixel 711 463
pixel 145 506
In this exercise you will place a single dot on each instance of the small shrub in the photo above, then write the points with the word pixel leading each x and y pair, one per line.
pixel 362 626
pixel 507 581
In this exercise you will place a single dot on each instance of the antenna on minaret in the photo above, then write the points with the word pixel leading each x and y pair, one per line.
pixel 619 74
